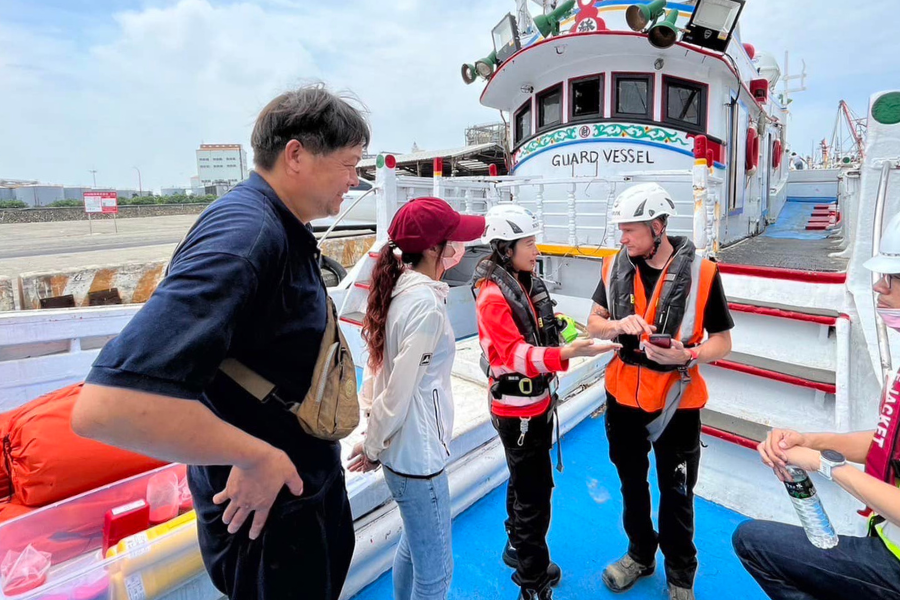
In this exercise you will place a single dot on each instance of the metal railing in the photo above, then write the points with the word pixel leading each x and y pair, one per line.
pixel 566 209
pixel 884 348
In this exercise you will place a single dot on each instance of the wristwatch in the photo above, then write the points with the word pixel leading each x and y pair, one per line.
pixel 831 459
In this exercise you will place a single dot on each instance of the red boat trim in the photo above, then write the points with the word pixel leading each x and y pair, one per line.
pixel 789 274
pixel 683 45
pixel 784 314
pixel 732 438
pixel 828 388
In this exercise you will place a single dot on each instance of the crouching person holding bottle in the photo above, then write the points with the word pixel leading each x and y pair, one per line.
pixel 779 556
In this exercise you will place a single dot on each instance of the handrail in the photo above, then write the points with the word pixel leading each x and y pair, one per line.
pixel 884 348
pixel 467 191
pixel 341 216
pixel 556 181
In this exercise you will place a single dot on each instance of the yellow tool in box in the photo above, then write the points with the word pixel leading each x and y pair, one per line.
pixel 158 579
pixel 158 543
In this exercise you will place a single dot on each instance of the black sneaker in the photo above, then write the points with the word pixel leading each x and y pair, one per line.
pixel 510 556
pixel 554 573
pixel 545 593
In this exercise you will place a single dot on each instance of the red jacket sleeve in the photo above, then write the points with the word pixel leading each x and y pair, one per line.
pixel 507 348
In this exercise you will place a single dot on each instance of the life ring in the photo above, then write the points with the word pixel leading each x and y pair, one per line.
pixel 752 160
pixel 777 154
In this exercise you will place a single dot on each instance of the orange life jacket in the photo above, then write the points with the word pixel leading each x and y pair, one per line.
pixel 642 386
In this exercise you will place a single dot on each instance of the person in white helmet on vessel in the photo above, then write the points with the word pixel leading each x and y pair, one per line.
pixel 520 337
pixel 659 299
pixel 779 556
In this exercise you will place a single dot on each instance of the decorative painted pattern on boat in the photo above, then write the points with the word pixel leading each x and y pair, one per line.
pixel 605 131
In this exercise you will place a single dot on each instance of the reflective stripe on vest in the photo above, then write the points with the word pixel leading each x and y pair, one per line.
pixel 520 401
pixel 641 386
pixel 691 318
pixel 524 406
pixel 890 535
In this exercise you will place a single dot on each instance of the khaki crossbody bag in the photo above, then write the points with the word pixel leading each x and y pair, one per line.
pixel 330 409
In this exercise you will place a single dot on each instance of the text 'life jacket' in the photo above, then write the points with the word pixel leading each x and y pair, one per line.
pixel 883 457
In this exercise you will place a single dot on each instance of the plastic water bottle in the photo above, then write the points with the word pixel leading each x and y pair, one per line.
pixel 809 508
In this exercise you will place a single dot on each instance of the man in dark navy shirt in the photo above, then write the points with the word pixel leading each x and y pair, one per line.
pixel 274 517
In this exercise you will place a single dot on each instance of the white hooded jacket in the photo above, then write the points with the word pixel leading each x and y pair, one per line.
pixel 409 398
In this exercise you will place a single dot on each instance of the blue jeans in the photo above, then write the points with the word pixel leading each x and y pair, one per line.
pixel 788 567
pixel 423 564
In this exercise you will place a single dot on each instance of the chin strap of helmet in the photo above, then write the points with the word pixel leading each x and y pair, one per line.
pixel 501 248
pixel 657 239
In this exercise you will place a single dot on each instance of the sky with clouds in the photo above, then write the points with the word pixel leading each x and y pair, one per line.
pixel 114 84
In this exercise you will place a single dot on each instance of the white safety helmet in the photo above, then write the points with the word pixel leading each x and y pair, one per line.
pixel 642 203
pixel 509 222
pixel 887 261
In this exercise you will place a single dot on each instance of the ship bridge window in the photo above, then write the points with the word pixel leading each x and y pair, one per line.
pixel 550 107
pixel 586 97
pixel 684 104
pixel 523 123
pixel 633 96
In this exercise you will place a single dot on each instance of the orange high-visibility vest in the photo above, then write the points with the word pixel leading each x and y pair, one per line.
pixel 645 388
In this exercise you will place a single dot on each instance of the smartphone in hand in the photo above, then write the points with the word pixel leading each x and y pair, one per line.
pixel 661 340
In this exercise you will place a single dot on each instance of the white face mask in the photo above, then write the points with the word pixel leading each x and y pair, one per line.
pixel 453 255
pixel 891 317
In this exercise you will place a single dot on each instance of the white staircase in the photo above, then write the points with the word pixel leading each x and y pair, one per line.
pixel 790 359
pixel 789 368
pixel 783 369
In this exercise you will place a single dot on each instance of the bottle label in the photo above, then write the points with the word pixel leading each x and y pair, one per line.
pixel 134 587
pixel 802 490
pixel 137 545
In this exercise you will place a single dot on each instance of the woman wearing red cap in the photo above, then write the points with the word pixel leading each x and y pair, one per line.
pixel 520 337
pixel 407 381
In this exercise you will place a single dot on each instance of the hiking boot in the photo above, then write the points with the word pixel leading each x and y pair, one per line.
pixel 625 572
pixel 510 556
pixel 545 593
pixel 680 593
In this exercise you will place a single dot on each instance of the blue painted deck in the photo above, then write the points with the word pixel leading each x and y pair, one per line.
pixel 585 535
pixel 793 218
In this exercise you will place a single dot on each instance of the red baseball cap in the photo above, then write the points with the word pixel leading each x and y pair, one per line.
pixel 426 222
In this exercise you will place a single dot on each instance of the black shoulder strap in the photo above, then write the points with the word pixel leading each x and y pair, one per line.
pixel 621 286
pixel 676 288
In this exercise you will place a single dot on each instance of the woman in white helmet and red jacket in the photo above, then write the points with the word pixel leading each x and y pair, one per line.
pixel 519 335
